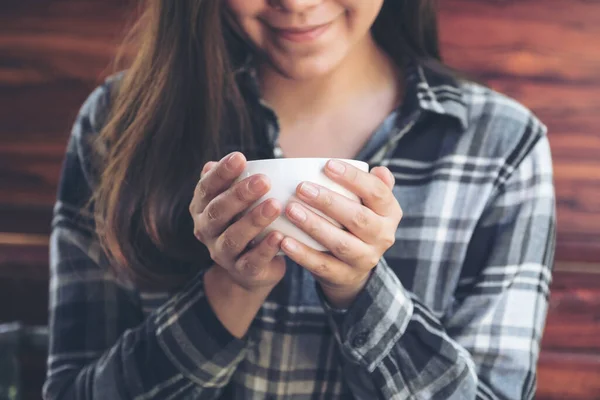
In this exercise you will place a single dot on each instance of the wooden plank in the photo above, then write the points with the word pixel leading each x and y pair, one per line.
pixel 53 54
pixel 584 250
pixel 543 54
pixel 542 40
pixel 571 329
pixel 574 312
pixel 29 174
pixel 41 113
pixel 560 376
pixel 56 52
pixel 568 376
pixel 577 13
pixel 571 324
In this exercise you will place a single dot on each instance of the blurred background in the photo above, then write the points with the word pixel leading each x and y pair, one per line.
pixel 545 53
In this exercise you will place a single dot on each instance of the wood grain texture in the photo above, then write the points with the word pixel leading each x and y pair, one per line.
pixel 544 54
pixel 569 367
pixel 568 377
pixel 53 52
pixel 573 314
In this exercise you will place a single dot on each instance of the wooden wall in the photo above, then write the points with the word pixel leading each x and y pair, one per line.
pixel 546 54
pixel 543 52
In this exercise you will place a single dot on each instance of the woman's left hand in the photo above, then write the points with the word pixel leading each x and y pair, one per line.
pixel 371 229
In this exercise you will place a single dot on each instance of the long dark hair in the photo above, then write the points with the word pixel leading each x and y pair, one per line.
pixel 170 114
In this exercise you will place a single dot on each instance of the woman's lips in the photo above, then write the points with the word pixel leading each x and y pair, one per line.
pixel 302 34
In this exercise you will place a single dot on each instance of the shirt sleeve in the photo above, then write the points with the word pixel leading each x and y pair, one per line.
pixel 487 345
pixel 101 344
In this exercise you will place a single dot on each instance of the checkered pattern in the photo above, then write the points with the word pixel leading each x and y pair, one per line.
pixel 455 310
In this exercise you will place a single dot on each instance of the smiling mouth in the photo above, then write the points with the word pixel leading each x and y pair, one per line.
pixel 302 34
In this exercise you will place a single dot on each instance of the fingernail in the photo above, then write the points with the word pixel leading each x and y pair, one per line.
pixel 232 161
pixel 297 213
pixel 336 167
pixel 257 184
pixel 269 210
pixel 205 169
pixel 309 190
pixel 275 239
pixel 289 245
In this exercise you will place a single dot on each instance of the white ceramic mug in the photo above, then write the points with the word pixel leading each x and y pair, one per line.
pixel 285 175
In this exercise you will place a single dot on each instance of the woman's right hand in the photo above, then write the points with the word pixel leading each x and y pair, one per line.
pixel 216 208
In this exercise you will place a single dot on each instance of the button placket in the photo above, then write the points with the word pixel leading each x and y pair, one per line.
pixel 360 339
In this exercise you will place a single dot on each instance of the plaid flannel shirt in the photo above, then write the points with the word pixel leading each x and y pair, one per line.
pixel 454 310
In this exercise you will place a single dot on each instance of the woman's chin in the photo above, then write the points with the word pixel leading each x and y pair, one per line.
pixel 307 68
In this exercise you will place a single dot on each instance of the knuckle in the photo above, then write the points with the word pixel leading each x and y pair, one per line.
pixel 327 200
pixel 371 260
pixel 199 234
pixel 230 244
pixel 221 172
pixel 200 231
pixel 380 192
pixel 342 248
pixel 256 218
pixel 248 267
pixel 213 213
pixel 312 229
pixel 259 255
pixel 201 189
pixel 360 219
pixel 216 256
pixel 241 194
pixel 388 241
pixel 265 251
pixel 321 269
pixel 352 175
pixel 400 213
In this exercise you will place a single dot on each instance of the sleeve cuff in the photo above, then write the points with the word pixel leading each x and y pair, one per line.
pixel 377 319
pixel 195 340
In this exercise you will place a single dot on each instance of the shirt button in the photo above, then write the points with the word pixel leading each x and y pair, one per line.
pixel 360 340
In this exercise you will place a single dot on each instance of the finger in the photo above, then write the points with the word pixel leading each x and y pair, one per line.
pixel 223 209
pixel 221 177
pixel 254 262
pixel 237 237
pixel 207 167
pixel 358 219
pixel 324 266
pixel 343 245
pixel 374 193
pixel 385 175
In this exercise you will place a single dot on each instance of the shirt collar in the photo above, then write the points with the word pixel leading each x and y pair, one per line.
pixel 429 87
pixel 435 89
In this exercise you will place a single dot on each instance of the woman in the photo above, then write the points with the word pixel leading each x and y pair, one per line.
pixel 158 290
